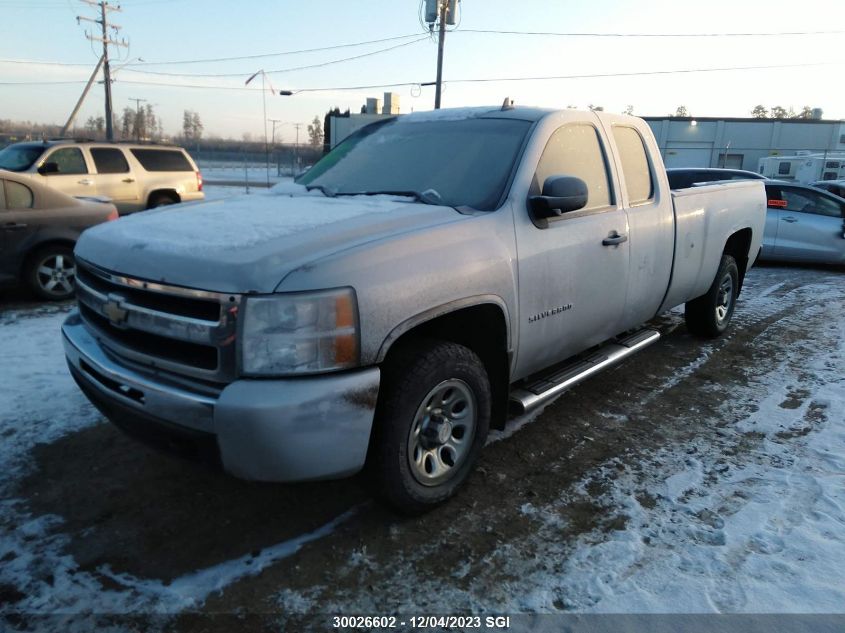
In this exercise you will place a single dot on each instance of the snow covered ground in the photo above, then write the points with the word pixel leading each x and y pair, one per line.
pixel 739 506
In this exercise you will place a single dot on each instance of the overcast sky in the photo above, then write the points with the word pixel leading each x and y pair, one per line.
pixel 168 30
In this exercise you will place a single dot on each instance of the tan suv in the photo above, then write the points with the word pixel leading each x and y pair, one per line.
pixel 134 177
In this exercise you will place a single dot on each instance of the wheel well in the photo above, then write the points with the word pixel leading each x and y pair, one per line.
pixel 30 253
pixel 481 328
pixel 737 247
pixel 168 193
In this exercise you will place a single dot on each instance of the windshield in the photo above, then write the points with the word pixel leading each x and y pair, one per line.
pixel 466 162
pixel 20 157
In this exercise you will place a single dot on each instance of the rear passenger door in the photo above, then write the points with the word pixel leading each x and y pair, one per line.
pixel 651 233
pixel 115 179
pixel 810 226
pixel 17 224
pixel 571 286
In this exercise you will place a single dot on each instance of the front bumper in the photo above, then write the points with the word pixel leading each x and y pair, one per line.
pixel 266 430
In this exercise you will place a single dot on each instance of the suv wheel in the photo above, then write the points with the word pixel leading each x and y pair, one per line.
pixel 431 423
pixel 51 272
pixel 160 200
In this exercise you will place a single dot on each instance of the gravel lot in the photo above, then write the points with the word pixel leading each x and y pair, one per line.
pixel 696 477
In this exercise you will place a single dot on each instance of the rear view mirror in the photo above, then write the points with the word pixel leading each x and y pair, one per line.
pixel 48 168
pixel 561 194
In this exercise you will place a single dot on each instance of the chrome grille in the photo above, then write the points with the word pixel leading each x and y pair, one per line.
pixel 180 330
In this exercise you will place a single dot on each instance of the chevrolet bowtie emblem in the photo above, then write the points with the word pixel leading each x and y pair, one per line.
pixel 113 310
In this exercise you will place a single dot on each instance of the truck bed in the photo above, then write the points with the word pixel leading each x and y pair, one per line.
pixel 705 216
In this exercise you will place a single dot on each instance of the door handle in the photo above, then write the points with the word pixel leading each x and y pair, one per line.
pixel 13 226
pixel 128 180
pixel 789 219
pixel 85 181
pixel 614 239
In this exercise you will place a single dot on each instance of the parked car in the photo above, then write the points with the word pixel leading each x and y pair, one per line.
pixel 684 177
pixel 384 310
pixel 133 176
pixel 836 187
pixel 39 227
pixel 803 224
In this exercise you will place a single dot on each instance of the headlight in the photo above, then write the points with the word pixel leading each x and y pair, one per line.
pixel 300 333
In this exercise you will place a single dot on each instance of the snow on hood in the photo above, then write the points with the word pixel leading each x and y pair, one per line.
pixel 242 222
pixel 249 242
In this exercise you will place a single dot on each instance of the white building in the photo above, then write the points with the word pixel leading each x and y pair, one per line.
pixel 741 143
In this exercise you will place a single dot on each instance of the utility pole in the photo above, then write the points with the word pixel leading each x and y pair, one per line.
pixel 296 149
pixel 81 98
pixel 137 117
pixel 442 12
pixel 105 9
pixel 273 145
pixel 440 42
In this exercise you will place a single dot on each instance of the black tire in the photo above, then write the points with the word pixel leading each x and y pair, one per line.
pixel 413 377
pixel 710 314
pixel 160 200
pixel 50 272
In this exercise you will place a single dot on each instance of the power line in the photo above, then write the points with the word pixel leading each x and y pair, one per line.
pixel 452 81
pixel 279 54
pixel 280 70
pixel 622 35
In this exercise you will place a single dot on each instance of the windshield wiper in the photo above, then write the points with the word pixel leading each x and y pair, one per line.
pixel 329 193
pixel 429 196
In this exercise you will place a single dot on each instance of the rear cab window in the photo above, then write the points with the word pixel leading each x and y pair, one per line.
pixel 162 159
pixel 639 177
pixel 575 149
pixel 109 160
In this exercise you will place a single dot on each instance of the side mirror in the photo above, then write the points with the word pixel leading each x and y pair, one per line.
pixel 561 194
pixel 48 168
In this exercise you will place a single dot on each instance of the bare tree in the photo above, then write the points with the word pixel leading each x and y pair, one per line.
pixel 681 110
pixel 629 110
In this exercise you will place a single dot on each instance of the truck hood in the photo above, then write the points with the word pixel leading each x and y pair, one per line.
pixel 249 243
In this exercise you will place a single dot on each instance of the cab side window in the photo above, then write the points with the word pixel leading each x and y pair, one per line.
pixel 639 180
pixel 575 150
pixel 69 160
pixel 805 201
pixel 109 160
pixel 17 195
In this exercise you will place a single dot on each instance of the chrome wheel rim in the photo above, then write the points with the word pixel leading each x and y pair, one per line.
pixel 56 275
pixel 442 432
pixel 724 298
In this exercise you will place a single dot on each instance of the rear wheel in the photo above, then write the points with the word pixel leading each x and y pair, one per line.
pixel 51 272
pixel 710 314
pixel 431 423
pixel 160 200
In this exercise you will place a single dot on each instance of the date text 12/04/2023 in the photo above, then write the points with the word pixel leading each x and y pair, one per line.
pixel 421 622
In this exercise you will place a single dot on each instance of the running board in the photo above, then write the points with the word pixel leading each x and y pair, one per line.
pixel 544 388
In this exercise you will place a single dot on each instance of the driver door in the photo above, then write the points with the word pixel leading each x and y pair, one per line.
pixel 810 226
pixel 71 173
pixel 572 286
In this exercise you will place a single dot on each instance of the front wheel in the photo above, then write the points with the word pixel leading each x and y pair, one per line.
pixel 710 314
pixel 431 422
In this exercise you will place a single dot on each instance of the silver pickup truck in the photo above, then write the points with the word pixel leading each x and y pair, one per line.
pixel 431 273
